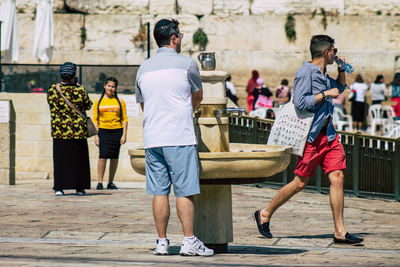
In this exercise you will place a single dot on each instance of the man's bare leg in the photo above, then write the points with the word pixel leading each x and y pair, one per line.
pixel 185 211
pixel 161 213
pixel 286 192
pixel 336 197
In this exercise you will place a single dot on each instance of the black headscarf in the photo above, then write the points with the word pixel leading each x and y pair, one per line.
pixel 67 70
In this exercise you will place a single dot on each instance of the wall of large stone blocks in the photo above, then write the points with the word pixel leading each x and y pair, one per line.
pixel 246 34
pixel 34 148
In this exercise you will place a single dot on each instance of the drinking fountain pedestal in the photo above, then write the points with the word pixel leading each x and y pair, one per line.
pixel 213 207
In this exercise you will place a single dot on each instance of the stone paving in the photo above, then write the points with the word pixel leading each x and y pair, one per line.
pixel 115 228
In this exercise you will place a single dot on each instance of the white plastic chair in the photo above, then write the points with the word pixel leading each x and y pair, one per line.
pixel 260 112
pixel 341 121
pixel 395 132
pixel 389 123
pixel 375 117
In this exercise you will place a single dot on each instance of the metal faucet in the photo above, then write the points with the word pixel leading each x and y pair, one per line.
pixel 218 113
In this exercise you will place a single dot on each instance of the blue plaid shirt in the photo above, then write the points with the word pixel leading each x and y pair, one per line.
pixel 308 82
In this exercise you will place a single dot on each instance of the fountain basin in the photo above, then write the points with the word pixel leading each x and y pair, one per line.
pixel 244 163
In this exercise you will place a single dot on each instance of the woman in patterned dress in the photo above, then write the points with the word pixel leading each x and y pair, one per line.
pixel 69 133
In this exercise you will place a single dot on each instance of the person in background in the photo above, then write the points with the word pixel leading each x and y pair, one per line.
pixel 251 84
pixel 230 90
pixel 313 91
pixel 282 93
pixel 169 89
pixel 358 105
pixel 109 117
pixel 261 89
pixel 395 93
pixel 378 90
pixel 69 132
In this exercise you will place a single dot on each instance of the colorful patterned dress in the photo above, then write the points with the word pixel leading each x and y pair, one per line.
pixel 69 131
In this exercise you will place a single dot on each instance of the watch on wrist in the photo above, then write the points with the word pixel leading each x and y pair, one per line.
pixel 323 95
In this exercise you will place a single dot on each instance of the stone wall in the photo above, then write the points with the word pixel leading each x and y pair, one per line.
pixel 34 148
pixel 246 34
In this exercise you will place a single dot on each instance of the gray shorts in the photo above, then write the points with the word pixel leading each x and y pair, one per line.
pixel 177 165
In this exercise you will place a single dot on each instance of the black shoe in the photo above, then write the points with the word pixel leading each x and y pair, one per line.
pixel 80 192
pixel 348 239
pixel 99 186
pixel 262 228
pixel 111 186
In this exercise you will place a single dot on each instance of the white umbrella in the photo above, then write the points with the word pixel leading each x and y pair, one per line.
pixel 44 31
pixel 9 31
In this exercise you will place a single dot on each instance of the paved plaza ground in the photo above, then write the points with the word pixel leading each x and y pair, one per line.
pixel 115 228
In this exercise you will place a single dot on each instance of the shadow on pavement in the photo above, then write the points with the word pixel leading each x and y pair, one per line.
pixel 321 236
pixel 251 250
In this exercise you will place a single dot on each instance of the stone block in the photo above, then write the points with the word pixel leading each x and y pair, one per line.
pixel 157 7
pixel 6 176
pixel 231 7
pixel 30 132
pixel 39 148
pixel 284 7
pixel 110 6
pixel 34 164
pixel 370 7
pixel 4 142
pixel 200 7
pixel 109 32
pixel 5 160
pixel 67 31
pixel 26 24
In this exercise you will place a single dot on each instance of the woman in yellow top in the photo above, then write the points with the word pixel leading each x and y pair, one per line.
pixel 109 117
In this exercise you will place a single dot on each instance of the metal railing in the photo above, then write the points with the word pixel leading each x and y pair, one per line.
pixel 24 78
pixel 373 162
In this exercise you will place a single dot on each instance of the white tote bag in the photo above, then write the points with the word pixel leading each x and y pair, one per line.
pixel 291 128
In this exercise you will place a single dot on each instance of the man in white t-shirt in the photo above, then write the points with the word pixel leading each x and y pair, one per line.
pixel 169 88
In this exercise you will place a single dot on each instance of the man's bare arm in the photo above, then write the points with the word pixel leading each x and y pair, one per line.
pixel 197 97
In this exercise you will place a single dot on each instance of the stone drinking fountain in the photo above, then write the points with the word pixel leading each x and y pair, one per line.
pixel 221 164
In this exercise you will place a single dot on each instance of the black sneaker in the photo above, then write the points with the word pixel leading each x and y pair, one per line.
pixel 99 186
pixel 111 186
pixel 263 228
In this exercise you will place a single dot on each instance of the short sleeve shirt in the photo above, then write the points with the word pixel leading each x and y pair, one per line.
pixel 164 83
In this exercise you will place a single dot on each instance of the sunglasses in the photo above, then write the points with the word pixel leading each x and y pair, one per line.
pixel 334 50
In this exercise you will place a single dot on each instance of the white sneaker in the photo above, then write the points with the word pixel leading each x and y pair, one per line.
pixel 195 247
pixel 161 247
pixel 59 193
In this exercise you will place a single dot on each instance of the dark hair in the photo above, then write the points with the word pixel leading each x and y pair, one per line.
pixel 229 77
pixel 114 80
pixel 164 30
pixel 359 78
pixel 284 82
pixel 396 79
pixel 378 78
pixel 320 43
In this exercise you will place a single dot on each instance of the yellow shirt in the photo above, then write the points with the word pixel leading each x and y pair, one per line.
pixel 109 113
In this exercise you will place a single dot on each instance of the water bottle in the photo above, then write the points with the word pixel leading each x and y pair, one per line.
pixel 345 66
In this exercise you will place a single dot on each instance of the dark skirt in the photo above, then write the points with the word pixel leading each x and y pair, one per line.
pixel 109 143
pixel 71 164
pixel 357 111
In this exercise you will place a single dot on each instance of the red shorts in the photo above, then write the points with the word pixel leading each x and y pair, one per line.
pixel 330 155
